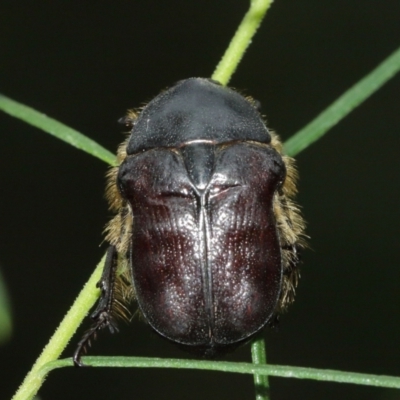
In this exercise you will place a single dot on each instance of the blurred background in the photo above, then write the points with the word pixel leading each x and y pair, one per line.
pixel 85 63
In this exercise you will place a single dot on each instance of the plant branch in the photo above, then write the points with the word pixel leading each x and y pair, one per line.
pixel 259 356
pixel 55 128
pixel 344 105
pixel 5 313
pixel 57 343
pixel 236 367
pixel 241 40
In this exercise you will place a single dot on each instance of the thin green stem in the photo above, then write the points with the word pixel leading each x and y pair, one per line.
pixel 259 357
pixel 5 312
pixel 55 128
pixel 241 40
pixel 242 368
pixel 57 343
pixel 344 105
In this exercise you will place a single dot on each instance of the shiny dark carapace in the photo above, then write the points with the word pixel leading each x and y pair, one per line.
pixel 199 178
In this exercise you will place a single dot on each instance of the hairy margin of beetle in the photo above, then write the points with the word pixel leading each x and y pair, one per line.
pixel 117 233
pixel 290 225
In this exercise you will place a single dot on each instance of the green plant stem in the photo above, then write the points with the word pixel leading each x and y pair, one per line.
pixel 259 356
pixel 5 312
pixel 55 128
pixel 344 105
pixel 241 40
pixel 57 343
pixel 242 368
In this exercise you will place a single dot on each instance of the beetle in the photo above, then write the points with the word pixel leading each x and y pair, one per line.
pixel 206 232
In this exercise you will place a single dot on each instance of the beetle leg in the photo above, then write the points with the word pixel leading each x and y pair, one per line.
pixel 102 315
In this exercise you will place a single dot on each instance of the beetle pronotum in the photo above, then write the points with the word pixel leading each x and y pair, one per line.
pixel 206 232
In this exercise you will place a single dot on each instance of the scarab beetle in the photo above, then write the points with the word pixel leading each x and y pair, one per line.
pixel 206 233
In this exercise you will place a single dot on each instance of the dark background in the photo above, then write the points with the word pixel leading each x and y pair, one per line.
pixel 85 63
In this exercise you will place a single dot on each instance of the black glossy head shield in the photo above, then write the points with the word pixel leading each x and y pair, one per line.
pixel 196 109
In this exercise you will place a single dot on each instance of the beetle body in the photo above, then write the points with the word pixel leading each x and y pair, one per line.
pixel 205 219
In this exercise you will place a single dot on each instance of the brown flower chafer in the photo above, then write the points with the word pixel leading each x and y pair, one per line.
pixel 206 233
